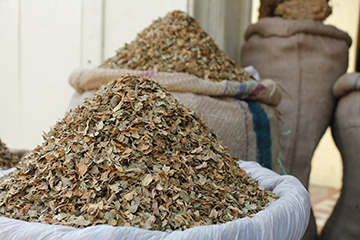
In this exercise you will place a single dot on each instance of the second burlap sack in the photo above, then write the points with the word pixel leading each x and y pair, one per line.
pixel 306 57
pixel 344 222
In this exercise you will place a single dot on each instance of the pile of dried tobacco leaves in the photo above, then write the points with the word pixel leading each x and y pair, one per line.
pixel 132 155
pixel 7 158
pixel 177 43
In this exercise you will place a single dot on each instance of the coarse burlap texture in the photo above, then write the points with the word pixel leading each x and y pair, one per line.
pixel 286 218
pixel 267 91
pixel 347 83
pixel 305 57
pixel 247 128
pixel 344 222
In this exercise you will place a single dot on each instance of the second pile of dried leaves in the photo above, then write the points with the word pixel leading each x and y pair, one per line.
pixel 177 43
pixel 7 158
pixel 131 156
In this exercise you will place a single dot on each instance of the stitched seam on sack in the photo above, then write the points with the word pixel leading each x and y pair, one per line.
pixel 226 88
pixel 292 149
pixel 246 130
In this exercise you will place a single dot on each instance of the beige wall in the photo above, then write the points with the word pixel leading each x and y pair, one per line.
pixel 42 42
pixel 326 166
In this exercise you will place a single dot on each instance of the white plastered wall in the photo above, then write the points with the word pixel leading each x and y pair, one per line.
pixel 42 42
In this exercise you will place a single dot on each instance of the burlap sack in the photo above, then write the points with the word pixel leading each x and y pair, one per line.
pixel 247 128
pixel 267 91
pixel 344 222
pixel 306 57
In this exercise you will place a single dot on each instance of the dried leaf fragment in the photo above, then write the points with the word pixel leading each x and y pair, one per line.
pixel 147 180
pixel 169 174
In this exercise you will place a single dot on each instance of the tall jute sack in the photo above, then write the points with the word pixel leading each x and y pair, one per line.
pixel 248 128
pixel 344 222
pixel 306 57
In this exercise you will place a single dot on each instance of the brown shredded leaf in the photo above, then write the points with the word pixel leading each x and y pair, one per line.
pixel 110 177
pixel 7 158
pixel 177 43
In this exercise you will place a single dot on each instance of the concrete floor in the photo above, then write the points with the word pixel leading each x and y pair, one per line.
pixel 323 200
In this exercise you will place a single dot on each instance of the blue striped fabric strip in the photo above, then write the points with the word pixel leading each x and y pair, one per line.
pixel 262 130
